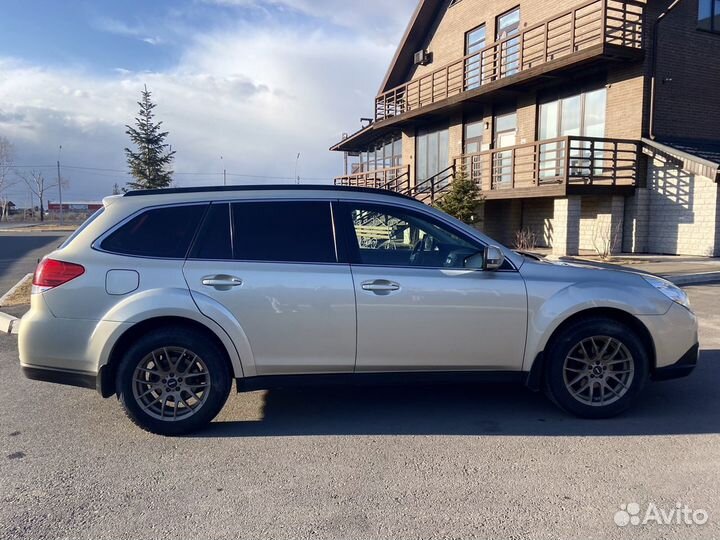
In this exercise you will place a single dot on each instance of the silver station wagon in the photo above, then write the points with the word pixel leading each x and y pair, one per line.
pixel 163 298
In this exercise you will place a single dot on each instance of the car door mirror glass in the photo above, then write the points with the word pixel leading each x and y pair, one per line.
pixel 475 261
pixel 494 258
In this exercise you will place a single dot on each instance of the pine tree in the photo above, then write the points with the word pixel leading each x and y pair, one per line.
pixel 463 198
pixel 150 164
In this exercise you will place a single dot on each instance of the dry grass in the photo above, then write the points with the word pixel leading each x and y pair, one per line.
pixel 20 296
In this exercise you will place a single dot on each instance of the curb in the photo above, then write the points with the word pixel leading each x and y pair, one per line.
pixel 694 279
pixel 15 288
pixel 8 324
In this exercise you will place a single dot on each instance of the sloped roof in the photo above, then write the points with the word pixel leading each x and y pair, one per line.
pixel 701 156
pixel 411 42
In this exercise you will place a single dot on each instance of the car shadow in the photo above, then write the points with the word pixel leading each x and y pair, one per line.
pixel 684 406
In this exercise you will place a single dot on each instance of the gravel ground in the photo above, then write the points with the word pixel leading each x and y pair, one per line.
pixel 450 462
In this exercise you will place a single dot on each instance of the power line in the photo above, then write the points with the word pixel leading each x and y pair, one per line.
pixel 175 173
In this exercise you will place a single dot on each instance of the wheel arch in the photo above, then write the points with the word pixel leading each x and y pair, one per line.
pixel 537 369
pixel 108 372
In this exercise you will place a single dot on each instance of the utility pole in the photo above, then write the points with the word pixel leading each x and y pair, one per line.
pixel 297 178
pixel 224 171
pixel 60 184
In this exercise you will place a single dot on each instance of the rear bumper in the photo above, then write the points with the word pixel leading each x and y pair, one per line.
pixel 682 368
pixel 82 379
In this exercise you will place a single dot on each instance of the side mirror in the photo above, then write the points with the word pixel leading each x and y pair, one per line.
pixel 494 258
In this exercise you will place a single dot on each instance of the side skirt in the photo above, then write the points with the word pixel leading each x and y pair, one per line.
pixel 268 382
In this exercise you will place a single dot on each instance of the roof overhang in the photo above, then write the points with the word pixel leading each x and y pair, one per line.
pixel 411 42
pixel 360 140
pixel 696 156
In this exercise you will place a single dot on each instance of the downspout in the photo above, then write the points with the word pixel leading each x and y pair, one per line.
pixel 653 65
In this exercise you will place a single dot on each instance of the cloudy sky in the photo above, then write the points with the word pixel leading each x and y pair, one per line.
pixel 253 81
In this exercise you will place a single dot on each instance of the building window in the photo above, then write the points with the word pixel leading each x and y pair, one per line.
pixel 505 136
pixel 473 137
pixel 433 153
pixel 577 115
pixel 474 44
pixel 507 26
pixel 383 154
pixel 709 15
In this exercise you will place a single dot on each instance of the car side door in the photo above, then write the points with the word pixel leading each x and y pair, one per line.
pixel 418 306
pixel 274 265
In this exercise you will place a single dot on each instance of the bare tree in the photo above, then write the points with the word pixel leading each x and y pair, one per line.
pixel 607 238
pixel 39 185
pixel 7 160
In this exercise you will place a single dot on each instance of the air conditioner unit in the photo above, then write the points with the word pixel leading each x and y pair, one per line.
pixel 422 58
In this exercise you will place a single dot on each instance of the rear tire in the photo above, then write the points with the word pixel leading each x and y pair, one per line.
pixel 173 381
pixel 596 368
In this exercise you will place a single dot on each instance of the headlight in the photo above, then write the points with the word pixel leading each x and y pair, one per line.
pixel 673 292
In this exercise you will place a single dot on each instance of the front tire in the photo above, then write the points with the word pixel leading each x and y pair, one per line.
pixel 596 368
pixel 173 381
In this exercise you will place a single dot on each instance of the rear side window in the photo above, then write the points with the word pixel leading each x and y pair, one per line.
pixel 160 232
pixel 283 231
pixel 213 240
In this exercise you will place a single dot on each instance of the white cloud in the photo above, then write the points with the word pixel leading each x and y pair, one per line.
pixel 255 94
pixel 121 28
pixel 382 19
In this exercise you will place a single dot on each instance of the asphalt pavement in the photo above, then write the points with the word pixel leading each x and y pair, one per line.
pixel 20 252
pixel 427 462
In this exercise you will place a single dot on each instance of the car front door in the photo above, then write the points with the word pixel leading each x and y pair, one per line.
pixel 274 266
pixel 418 306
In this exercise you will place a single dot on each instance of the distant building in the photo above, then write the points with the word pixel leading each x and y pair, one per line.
pixel 74 207
pixel 577 119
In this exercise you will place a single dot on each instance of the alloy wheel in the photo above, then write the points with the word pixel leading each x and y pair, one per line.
pixel 171 383
pixel 598 371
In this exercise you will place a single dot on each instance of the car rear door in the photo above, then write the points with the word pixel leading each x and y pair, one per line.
pixel 274 265
pixel 418 307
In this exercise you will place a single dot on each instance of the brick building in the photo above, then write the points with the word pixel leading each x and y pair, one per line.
pixel 585 122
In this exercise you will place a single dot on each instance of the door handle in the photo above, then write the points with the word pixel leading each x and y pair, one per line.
pixel 222 283
pixel 380 286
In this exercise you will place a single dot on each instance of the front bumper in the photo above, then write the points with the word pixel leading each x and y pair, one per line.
pixel 682 368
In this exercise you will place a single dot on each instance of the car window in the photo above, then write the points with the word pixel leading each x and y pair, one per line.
pixel 214 241
pixel 395 237
pixel 159 232
pixel 283 231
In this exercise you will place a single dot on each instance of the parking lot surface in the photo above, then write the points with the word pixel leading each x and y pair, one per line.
pixel 386 462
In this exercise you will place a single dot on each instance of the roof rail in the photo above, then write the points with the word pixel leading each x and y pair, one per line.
pixel 269 187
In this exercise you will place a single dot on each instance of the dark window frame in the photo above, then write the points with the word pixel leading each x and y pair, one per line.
pixel 97 244
pixel 336 244
pixel 191 256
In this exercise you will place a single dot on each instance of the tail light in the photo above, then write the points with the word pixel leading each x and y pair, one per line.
pixel 51 273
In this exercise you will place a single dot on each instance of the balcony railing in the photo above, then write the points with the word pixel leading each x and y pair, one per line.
pixel 582 161
pixel 392 178
pixel 530 169
pixel 597 22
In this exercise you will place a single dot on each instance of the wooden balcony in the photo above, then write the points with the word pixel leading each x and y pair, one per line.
pixel 392 178
pixel 607 29
pixel 550 168
pixel 555 167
